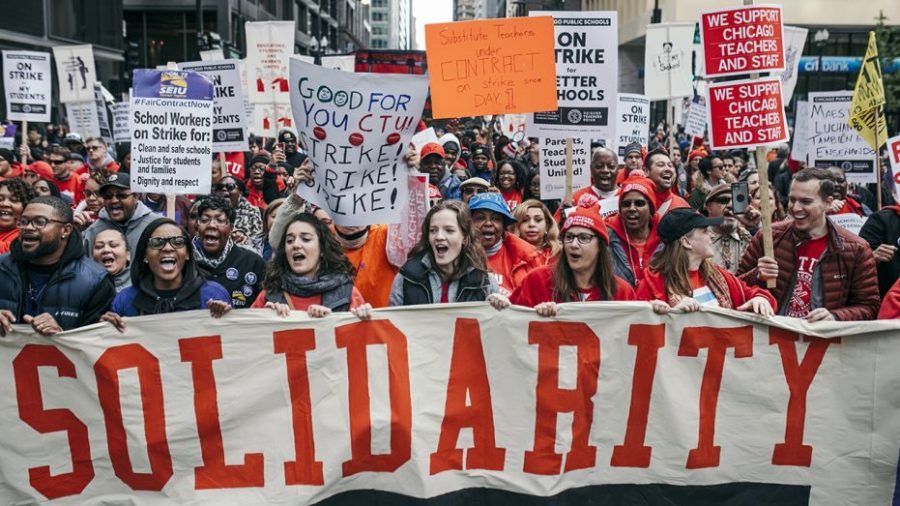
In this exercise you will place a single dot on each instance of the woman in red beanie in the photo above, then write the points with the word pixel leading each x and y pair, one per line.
pixel 632 231
pixel 584 272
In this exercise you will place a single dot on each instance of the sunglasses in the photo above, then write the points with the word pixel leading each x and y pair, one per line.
pixel 470 190
pixel 722 200
pixel 118 196
pixel 177 242
pixel 227 187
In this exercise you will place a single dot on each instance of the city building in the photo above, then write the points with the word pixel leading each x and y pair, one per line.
pixel 392 24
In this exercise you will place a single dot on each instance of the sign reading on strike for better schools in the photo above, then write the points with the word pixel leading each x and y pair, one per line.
pixel 355 128
pixel 744 114
pixel 893 152
pixel 171 132
pixel 229 125
pixel 832 142
pixel 496 66
pixel 587 73
pixel 609 404
pixel 633 123
pixel 553 166
pixel 742 40
pixel 28 85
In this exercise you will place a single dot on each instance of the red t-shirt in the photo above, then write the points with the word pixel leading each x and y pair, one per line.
pixel 808 255
pixel 637 264
pixel 512 197
pixel 73 187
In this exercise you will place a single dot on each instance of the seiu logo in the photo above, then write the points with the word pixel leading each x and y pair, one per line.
pixel 172 90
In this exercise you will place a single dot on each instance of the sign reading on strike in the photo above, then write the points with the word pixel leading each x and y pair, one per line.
pixel 742 40
pixel 746 113
pixel 497 66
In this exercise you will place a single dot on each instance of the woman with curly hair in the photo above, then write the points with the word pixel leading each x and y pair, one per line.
pixel 309 272
pixel 14 195
pixel 535 224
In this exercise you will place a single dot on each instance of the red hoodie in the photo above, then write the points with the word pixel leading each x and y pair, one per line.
pixel 668 200
pixel 638 256
pixel 653 287
pixel 512 263
pixel 537 287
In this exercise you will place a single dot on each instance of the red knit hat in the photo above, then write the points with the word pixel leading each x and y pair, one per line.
pixel 643 185
pixel 41 168
pixel 697 153
pixel 587 217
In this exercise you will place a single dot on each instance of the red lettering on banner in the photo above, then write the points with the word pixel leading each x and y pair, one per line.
pixel 552 400
pixel 799 376
pixel 716 341
pixel 106 370
pixel 214 473
pixel 468 374
pixel 305 469
pixel 648 339
pixel 46 421
pixel 356 337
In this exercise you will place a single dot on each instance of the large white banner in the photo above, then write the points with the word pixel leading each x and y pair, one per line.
pixel 355 128
pixel 171 131
pixel 229 122
pixel 632 121
pixel 75 72
pixel 553 166
pixel 794 40
pixel 800 139
pixel 667 61
pixel 833 142
pixel 714 407
pixel 270 45
pixel 587 74
pixel 28 85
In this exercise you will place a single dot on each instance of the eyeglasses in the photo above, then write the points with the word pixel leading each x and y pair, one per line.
pixel 470 190
pixel 39 222
pixel 581 238
pixel 177 242
pixel 227 187
pixel 118 196
pixel 258 168
pixel 57 162
pixel 206 220
pixel 638 204
pixel 93 148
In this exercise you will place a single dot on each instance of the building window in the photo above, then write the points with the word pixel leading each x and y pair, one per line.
pixel 98 21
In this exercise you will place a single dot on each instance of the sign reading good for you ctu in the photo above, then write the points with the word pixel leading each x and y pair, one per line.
pixel 497 66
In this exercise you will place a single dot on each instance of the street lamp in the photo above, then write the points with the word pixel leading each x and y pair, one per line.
pixel 318 47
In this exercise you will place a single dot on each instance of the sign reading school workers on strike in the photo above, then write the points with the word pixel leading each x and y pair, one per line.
pixel 75 72
pixel 832 142
pixel 171 132
pixel 611 404
pixel 742 40
pixel 229 125
pixel 355 129
pixel 28 85
pixel 587 73
pixel 496 66
pixel 633 121
pixel 743 114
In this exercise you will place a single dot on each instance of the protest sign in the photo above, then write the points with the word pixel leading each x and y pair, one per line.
pixel 587 73
pixel 121 121
pixel 270 45
pixel 794 40
pixel 610 404
pixel 83 119
pixel 229 125
pixel 695 124
pixel 633 121
pixel 667 61
pixel 496 66
pixel 514 126
pixel 8 137
pixel 268 119
pixel 553 166
pixel 893 152
pixel 850 221
pixel 345 62
pixel 212 55
pixel 800 141
pixel 355 127
pixel 742 40
pixel 832 142
pixel 75 72
pixel 420 139
pixel 102 114
pixel 28 85
pixel 866 115
pixel 743 114
pixel 171 131
pixel 403 236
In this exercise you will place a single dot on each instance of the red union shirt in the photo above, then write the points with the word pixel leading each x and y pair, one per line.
pixel 808 255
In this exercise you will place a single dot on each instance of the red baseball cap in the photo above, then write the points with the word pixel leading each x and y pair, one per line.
pixel 432 148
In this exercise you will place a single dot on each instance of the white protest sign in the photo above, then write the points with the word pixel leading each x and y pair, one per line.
pixel 268 119
pixel 695 124
pixel 893 152
pixel 269 47
pixel 102 114
pixel 83 119
pixel 514 126
pixel 587 73
pixel 850 221
pixel 832 142
pixel 229 125
pixel 422 138
pixel 800 141
pixel 553 166
pixel 171 131
pixel 345 62
pixel 75 72
pixel 667 61
pixel 121 121
pixel 403 236
pixel 794 40
pixel 355 127
pixel 632 121
pixel 212 55
pixel 28 85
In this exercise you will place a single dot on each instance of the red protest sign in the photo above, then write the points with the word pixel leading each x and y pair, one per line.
pixel 746 113
pixel 742 40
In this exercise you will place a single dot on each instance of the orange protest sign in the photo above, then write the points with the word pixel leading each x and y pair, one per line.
pixel 496 66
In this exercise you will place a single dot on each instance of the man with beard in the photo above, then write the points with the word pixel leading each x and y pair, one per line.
pixel 46 280
pixel 239 270
pixel 730 239
pixel 480 159
pixel 69 184
pixel 122 210
pixel 431 162
pixel 661 171
pixel 632 232
pixel 844 203
pixel 292 155
pixel 604 167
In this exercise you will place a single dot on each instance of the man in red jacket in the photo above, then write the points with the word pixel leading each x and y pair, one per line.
pixel 823 272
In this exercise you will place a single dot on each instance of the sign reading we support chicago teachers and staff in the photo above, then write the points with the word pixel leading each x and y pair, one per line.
pixel 171 132
pixel 497 66
pixel 746 113
pixel 742 40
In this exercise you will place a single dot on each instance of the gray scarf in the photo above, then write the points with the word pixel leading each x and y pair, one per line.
pixel 211 263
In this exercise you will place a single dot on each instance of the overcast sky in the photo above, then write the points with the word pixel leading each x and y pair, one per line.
pixel 430 11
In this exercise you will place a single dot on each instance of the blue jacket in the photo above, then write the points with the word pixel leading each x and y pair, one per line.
pixel 124 303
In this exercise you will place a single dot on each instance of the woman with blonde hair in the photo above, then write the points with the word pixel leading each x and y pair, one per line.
pixel 535 224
